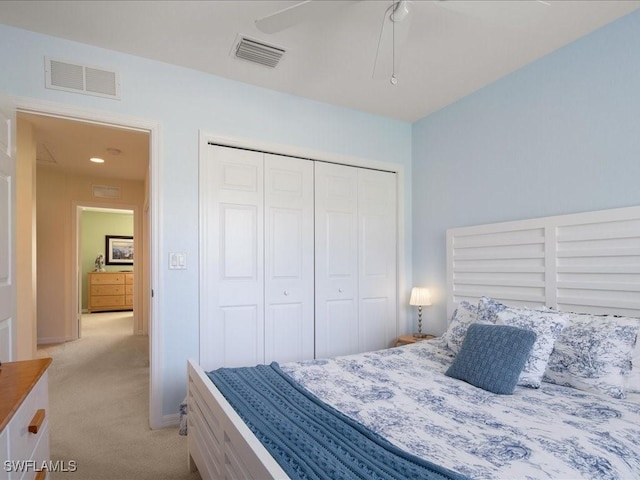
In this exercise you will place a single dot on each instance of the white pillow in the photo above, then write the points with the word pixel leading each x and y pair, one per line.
pixel 594 353
pixel 547 326
pixel 462 317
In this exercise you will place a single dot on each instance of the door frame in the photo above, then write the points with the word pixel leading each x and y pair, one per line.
pixel 9 336
pixel 41 107
pixel 76 270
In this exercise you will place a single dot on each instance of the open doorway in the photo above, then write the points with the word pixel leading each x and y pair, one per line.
pixel 45 126
pixel 94 166
pixel 106 259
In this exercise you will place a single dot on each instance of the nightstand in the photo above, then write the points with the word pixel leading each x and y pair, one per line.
pixel 407 339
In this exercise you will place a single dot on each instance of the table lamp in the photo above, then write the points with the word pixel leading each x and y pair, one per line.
pixel 420 297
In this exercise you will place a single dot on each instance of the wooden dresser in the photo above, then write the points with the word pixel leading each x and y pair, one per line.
pixel 24 419
pixel 110 291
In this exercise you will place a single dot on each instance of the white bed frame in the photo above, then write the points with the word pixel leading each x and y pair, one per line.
pixel 220 445
pixel 588 262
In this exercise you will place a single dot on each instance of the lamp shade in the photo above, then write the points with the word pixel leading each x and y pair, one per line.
pixel 420 296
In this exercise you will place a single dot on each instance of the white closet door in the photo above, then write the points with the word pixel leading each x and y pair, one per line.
pixel 377 259
pixel 233 333
pixel 336 260
pixel 289 281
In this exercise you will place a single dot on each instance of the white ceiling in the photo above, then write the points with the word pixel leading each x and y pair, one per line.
pixel 453 49
pixel 67 145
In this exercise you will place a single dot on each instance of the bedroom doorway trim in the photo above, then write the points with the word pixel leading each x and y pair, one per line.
pixel 41 107
pixel 139 326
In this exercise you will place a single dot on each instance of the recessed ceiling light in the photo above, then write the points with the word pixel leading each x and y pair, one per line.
pixel 96 160
pixel 114 151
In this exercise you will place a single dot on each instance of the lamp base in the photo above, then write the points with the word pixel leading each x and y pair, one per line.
pixel 421 335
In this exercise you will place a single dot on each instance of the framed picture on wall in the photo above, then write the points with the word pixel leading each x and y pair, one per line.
pixel 119 250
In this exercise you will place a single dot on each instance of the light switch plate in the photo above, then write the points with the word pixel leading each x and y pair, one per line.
pixel 177 261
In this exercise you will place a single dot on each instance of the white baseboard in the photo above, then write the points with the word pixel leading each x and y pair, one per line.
pixel 50 340
pixel 171 420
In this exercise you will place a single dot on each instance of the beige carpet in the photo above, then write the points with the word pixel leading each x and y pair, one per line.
pixel 99 407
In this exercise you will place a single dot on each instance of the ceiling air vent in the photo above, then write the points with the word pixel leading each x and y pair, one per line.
pixel 106 191
pixel 258 52
pixel 89 80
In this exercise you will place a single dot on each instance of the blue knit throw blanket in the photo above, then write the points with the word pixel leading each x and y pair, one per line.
pixel 310 439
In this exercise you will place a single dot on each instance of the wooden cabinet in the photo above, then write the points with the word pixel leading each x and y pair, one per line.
pixel 128 291
pixel 409 339
pixel 110 291
pixel 24 419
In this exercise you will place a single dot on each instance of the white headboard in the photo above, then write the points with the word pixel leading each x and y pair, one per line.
pixel 586 262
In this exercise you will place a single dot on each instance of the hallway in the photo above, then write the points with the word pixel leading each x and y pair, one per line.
pixel 99 404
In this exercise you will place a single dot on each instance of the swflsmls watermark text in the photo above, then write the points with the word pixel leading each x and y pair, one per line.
pixel 35 466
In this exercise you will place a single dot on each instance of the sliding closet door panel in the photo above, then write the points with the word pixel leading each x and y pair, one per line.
pixel 239 242
pixel 240 323
pixel 289 310
pixel 377 259
pixel 375 324
pixel 233 334
pixel 336 260
pixel 339 328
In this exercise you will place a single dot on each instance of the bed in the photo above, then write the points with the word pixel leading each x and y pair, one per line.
pixel 574 280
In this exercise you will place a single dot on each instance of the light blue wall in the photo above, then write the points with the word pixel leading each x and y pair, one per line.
pixel 561 135
pixel 184 101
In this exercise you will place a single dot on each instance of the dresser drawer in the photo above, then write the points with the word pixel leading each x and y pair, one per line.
pixel 40 456
pixel 107 289
pixel 107 301
pixel 107 279
pixel 24 442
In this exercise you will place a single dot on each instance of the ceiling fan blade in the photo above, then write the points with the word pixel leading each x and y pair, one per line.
pixel 298 13
pixel 500 12
pixel 385 64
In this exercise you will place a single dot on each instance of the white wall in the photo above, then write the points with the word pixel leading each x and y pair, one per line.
pixel 185 101
pixel 558 136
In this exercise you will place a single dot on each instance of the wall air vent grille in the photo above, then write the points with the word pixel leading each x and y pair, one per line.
pixel 258 52
pixel 106 191
pixel 88 80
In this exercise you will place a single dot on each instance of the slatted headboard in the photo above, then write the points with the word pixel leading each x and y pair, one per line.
pixel 586 262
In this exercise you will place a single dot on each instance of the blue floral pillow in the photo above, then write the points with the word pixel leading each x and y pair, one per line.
pixel 547 326
pixel 488 309
pixel 594 353
pixel 462 317
pixel 492 357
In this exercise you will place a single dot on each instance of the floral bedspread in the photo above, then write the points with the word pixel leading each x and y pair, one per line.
pixel 552 432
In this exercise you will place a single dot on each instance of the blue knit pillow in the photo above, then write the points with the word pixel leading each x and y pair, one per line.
pixel 492 357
